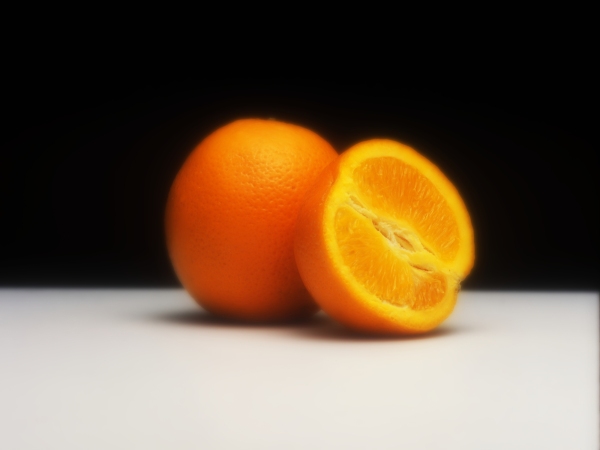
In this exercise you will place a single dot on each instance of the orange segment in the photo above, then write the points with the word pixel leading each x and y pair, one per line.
pixel 392 186
pixel 384 239
pixel 383 267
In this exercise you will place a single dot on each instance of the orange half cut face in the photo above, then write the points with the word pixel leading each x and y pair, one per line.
pixel 384 240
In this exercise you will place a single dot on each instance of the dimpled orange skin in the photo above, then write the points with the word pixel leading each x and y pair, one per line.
pixel 231 215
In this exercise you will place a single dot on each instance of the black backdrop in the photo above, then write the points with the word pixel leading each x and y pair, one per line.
pixel 86 169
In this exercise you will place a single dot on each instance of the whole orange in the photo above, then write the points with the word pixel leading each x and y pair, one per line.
pixel 231 215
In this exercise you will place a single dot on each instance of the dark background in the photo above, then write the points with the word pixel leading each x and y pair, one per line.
pixel 87 165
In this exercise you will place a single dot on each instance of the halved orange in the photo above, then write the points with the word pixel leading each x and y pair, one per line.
pixel 384 239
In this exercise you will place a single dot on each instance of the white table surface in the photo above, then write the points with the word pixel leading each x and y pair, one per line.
pixel 148 369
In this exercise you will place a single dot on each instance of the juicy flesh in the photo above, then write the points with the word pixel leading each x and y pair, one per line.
pixel 395 232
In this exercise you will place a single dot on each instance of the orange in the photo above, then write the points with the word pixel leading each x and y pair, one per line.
pixel 384 239
pixel 231 214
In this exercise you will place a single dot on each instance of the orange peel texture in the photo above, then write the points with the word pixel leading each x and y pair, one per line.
pixel 231 215
pixel 383 240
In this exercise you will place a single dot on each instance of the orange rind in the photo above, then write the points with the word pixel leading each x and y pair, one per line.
pixel 231 215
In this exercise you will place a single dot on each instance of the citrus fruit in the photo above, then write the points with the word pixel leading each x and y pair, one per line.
pixel 231 214
pixel 383 240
